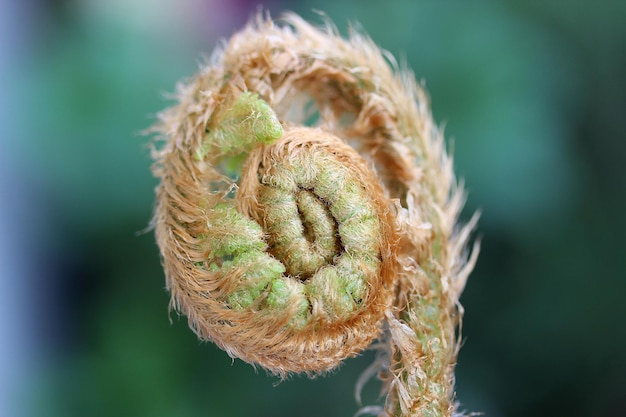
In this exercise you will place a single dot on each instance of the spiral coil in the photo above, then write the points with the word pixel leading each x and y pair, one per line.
pixel 306 198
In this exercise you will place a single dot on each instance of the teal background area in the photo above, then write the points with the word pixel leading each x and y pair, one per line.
pixel 532 96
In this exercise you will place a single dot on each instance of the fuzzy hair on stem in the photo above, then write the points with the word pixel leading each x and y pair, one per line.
pixel 307 207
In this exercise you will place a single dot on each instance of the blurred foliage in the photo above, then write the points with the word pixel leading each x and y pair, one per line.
pixel 533 95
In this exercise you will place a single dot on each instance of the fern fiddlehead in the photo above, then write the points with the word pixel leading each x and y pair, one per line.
pixel 290 246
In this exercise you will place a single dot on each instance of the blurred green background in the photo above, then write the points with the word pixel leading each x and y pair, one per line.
pixel 533 95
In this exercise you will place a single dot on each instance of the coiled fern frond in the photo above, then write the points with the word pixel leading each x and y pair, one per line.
pixel 307 206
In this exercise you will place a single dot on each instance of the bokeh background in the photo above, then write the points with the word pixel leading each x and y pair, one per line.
pixel 532 94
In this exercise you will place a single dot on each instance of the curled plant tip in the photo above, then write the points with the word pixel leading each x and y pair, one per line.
pixel 307 207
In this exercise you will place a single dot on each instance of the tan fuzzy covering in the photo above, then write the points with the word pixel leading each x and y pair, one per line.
pixel 373 118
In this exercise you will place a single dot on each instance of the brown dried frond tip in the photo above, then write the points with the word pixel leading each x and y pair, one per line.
pixel 306 203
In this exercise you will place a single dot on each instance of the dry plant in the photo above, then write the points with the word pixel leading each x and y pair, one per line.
pixel 307 207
